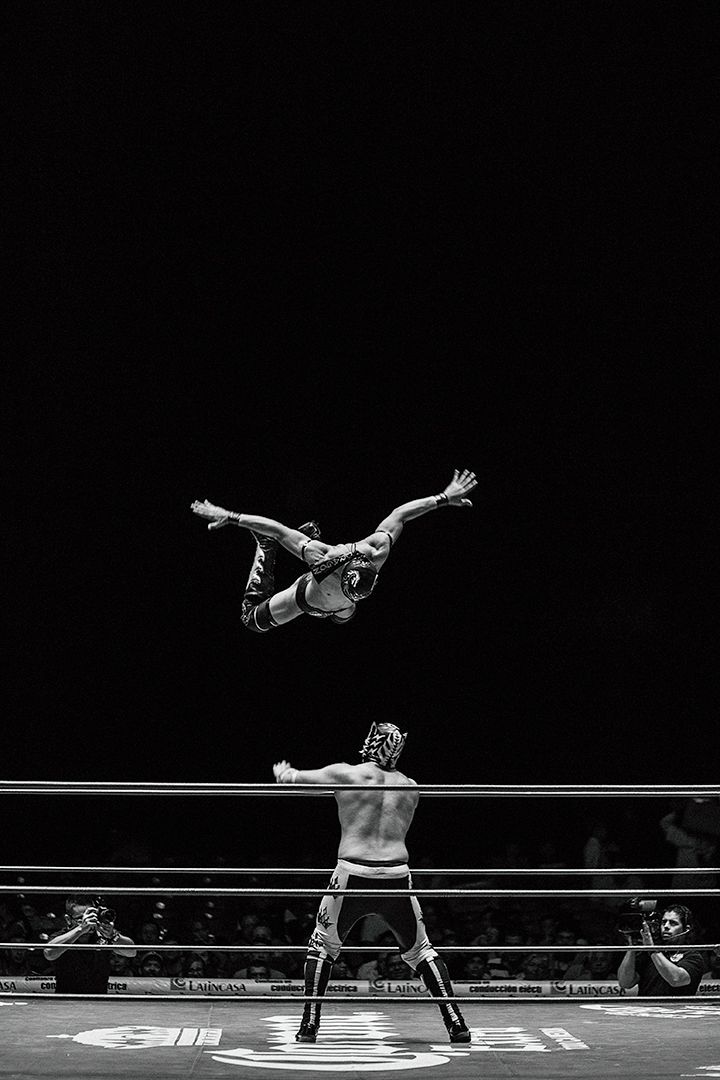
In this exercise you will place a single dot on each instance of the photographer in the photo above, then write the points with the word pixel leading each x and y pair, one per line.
pixel 670 971
pixel 86 971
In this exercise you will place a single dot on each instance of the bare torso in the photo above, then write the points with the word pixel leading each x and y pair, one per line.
pixel 374 823
pixel 326 595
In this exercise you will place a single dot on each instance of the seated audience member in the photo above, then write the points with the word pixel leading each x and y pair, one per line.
pixel 474 969
pixel 512 962
pixel 341 969
pixel 560 962
pixel 194 967
pixel 246 925
pixel 151 965
pixel 17 961
pixel 371 969
pixel 536 967
pixel 263 935
pixel 395 969
pixel 149 933
pixel 258 969
pixel 120 966
pixel 173 960
pixel 602 966
pixel 692 850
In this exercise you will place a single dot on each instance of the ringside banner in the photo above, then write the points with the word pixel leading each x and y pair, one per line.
pixel 520 988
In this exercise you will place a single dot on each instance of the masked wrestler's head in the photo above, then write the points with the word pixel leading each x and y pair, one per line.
pixel 383 745
pixel 358 578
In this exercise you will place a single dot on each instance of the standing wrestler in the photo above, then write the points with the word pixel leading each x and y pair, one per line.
pixel 339 576
pixel 372 855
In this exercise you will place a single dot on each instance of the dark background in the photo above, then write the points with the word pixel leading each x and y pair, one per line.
pixel 304 259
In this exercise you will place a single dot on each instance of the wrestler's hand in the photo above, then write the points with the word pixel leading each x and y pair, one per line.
pixel 460 485
pixel 218 517
pixel 284 772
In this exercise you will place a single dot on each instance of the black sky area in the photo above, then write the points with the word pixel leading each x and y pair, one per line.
pixel 304 260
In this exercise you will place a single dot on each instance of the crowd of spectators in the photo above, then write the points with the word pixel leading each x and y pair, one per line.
pixel 204 928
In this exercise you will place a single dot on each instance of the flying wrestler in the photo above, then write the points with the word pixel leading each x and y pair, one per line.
pixel 339 575
pixel 372 855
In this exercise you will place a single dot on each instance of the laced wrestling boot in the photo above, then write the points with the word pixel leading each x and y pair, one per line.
pixel 260 585
pixel 307 1032
pixel 317 974
pixel 435 976
pixel 311 529
pixel 458 1031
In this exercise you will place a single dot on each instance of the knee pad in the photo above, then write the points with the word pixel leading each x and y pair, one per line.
pixel 339 622
pixel 322 947
pixel 419 953
pixel 258 618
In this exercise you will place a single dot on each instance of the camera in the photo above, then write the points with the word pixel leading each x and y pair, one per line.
pixel 633 913
pixel 104 914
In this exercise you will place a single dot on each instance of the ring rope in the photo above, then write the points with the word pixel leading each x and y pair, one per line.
pixel 121 787
pixel 613 871
pixel 150 890
pixel 196 947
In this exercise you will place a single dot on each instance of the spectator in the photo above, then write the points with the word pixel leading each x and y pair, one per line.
pixel 149 933
pixel 258 969
pixel 396 970
pixel 562 962
pixel 8 919
pixel 194 967
pixel 16 962
pixel 245 928
pixel 692 850
pixel 151 965
pixel 86 971
pixel 372 969
pixel 670 971
pixel 536 967
pixel 512 962
pixel 263 935
pixel 173 960
pixel 602 966
pixel 120 965
pixel 475 969
pixel 600 852
pixel 341 969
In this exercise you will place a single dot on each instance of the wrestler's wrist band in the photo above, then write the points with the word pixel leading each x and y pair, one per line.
pixel 441 500
pixel 234 517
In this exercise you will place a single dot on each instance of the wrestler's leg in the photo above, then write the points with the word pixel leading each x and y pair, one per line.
pixel 404 916
pixel 255 612
pixel 323 948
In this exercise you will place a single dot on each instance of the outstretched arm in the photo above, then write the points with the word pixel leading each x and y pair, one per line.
pixel 332 774
pixel 217 516
pixel 454 495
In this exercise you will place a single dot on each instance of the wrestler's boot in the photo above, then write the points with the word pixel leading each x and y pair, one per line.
pixel 435 976
pixel 255 612
pixel 311 529
pixel 317 973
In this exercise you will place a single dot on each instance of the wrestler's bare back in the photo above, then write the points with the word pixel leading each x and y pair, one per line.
pixel 374 823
